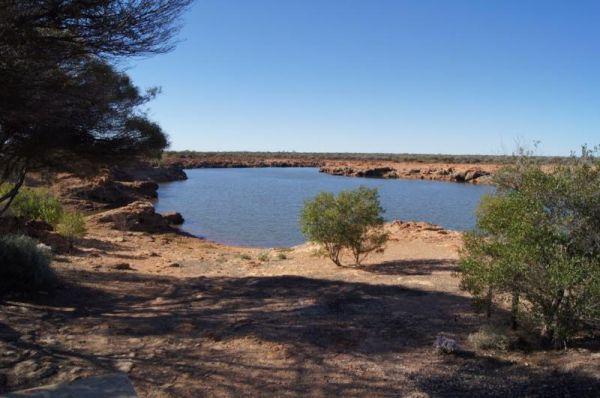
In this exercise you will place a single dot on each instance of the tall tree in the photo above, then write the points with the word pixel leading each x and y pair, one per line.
pixel 62 97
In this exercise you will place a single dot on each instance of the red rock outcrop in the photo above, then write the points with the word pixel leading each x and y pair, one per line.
pixel 453 173
pixel 136 216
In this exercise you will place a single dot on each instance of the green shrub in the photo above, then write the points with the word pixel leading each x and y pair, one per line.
pixel 245 256
pixel 351 221
pixel 489 338
pixel 23 266
pixel 264 257
pixel 71 226
pixel 39 204
pixel 538 241
pixel 36 204
pixel 282 256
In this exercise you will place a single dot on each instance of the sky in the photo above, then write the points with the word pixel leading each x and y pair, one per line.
pixel 393 76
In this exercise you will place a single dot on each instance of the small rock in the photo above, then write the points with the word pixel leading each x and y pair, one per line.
pixel 445 345
pixel 44 248
pixel 174 265
pixel 124 366
pixel 27 338
pixel 121 266
pixel 173 218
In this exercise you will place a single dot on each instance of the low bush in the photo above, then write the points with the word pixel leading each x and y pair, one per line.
pixel 71 226
pixel 264 256
pixel 349 222
pixel 490 338
pixel 23 266
pixel 36 204
pixel 39 204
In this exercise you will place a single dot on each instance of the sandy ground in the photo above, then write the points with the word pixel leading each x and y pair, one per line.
pixel 186 317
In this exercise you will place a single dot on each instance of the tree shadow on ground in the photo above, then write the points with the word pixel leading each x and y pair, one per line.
pixel 257 336
pixel 411 267
pixel 493 377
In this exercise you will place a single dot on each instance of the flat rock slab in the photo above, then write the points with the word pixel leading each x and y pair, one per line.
pixel 111 385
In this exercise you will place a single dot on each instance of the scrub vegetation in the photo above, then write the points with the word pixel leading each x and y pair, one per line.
pixel 394 157
pixel 538 241
pixel 24 267
pixel 350 222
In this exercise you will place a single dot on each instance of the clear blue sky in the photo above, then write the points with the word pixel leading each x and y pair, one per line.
pixel 380 76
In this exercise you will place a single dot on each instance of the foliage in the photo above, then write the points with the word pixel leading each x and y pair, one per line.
pixel 392 157
pixel 538 240
pixel 63 100
pixel 351 221
pixel 264 257
pixel 23 266
pixel 71 226
pixel 489 338
pixel 36 204
pixel 39 204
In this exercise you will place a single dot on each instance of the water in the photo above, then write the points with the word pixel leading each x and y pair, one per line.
pixel 260 207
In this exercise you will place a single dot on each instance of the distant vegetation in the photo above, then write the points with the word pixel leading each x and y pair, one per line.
pixel 538 241
pixel 349 222
pixel 399 157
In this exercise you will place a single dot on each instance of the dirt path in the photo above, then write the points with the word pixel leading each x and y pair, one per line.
pixel 194 318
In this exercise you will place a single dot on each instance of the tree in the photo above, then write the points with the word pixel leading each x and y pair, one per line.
pixel 350 221
pixel 538 240
pixel 62 97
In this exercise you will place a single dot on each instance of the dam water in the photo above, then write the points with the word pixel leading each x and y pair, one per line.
pixel 260 206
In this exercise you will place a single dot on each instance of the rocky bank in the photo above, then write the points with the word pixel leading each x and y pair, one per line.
pixel 462 173
pixel 452 172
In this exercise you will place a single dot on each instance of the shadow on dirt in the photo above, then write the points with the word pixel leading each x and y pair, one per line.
pixel 257 336
pixel 411 267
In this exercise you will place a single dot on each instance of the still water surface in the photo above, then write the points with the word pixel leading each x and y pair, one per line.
pixel 260 207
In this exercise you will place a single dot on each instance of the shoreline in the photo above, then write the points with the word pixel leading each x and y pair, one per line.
pixel 186 316
pixel 475 173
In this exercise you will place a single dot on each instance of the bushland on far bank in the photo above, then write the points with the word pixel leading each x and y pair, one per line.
pixel 538 241
pixel 349 222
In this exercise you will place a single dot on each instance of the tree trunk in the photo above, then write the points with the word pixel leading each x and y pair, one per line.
pixel 7 199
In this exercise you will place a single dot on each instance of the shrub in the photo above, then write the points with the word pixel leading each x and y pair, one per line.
pixel 23 266
pixel 36 204
pixel 39 204
pixel 351 221
pixel 489 338
pixel 245 256
pixel 71 226
pixel 538 240
pixel 282 256
pixel 264 256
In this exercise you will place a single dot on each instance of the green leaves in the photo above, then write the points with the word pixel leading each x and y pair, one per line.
pixel 351 221
pixel 539 237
